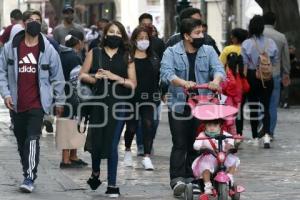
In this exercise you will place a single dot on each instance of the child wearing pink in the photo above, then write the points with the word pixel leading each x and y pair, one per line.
pixel 213 116
pixel 208 161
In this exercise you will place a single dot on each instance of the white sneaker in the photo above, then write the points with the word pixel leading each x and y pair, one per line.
pixel 128 159
pixel 267 140
pixel 255 142
pixel 147 163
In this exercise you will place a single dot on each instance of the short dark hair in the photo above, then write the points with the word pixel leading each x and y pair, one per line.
pixel 76 36
pixel 145 16
pixel 188 12
pixel 269 18
pixel 204 25
pixel 16 14
pixel 256 26
pixel 240 34
pixel 28 13
pixel 188 25
pixel 103 20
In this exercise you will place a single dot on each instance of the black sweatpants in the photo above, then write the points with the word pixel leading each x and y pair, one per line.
pixel 27 130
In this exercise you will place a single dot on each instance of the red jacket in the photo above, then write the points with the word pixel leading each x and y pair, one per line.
pixel 234 88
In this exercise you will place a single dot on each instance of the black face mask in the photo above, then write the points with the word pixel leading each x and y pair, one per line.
pixel 198 42
pixel 69 18
pixel 33 28
pixel 292 56
pixel 112 41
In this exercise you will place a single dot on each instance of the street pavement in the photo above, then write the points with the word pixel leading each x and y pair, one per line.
pixel 267 174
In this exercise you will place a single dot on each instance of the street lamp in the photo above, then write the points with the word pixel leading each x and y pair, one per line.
pixel 67 2
pixel 181 4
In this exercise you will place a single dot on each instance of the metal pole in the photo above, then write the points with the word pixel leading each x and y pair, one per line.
pixel 203 10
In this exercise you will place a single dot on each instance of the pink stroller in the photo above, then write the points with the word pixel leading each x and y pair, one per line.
pixel 208 108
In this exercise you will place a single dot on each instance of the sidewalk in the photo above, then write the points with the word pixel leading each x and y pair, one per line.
pixel 267 174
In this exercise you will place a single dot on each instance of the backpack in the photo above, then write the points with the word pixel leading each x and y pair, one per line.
pixel 264 70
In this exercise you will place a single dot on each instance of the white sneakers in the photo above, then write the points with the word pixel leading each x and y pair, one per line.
pixel 147 163
pixel 128 159
pixel 255 142
pixel 267 140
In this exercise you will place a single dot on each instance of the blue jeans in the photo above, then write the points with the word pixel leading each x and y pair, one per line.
pixel 112 161
pixel 274 104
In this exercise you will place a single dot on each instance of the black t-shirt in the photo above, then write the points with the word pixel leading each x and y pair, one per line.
pixel 147 81
pixel 117 65
pixel 192 59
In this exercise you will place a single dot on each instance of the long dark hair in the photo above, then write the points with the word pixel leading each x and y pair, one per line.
pixel 256 26
pixel 134 37
pixel 235 63
pixel 125 45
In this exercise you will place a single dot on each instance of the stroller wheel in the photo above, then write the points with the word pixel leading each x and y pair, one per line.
pixel 188 194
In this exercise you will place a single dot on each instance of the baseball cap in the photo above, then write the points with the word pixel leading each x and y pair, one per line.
pixel 68 8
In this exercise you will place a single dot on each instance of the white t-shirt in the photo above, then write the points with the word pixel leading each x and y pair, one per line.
pixel 199 144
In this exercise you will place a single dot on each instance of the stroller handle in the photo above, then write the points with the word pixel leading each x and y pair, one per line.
pixel 222 137
pixel 200 86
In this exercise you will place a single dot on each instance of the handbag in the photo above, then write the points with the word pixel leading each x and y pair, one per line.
pixel 67 135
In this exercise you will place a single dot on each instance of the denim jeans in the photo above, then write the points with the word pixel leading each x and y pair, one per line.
pixel 274 104
pixel 112 161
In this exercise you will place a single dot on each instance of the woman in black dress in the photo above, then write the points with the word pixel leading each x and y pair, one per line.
pixel 111 71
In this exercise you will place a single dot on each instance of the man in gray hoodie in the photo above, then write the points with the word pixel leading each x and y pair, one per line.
pixel 30 78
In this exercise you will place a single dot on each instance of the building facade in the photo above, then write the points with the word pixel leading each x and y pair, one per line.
pixel 6 6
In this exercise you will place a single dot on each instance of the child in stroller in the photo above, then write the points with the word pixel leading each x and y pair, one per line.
pixel 216 146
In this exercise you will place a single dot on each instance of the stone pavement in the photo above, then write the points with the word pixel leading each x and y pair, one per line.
pixel 267 174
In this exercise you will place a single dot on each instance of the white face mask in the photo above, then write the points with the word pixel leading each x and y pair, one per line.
pixel 143 44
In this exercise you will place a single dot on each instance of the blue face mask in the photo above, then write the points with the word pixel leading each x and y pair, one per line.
pixel 212 133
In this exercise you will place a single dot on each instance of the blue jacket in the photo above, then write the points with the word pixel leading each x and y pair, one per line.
pixel 175 64
pixel 50 74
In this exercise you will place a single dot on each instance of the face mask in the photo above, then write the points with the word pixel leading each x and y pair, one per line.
pixel 69 18
pixel 292 56
pixel 112 41
pixel 212 133
pixel 143 45
pixel 198 42
pixel 33 28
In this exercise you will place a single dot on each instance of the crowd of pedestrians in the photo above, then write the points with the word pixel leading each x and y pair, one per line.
pixel 127 78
